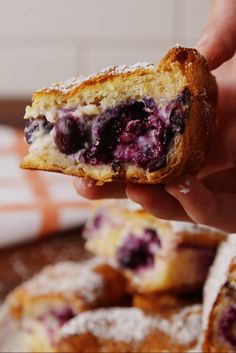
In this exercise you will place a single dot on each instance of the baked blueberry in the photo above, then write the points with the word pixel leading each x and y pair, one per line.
pixel 138 252
pixel 69 135
pixel 63 315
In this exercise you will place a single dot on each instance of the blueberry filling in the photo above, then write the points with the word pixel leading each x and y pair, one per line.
pixel 36 127
pixel 63 315
pixel 137 133
pixel 98 220
pixel 138 252
pixel 70 136
pixel 227 325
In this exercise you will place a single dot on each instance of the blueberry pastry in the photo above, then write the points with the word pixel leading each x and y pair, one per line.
pixel 219 314
pixel 131 330
pixel 54 296
pixel 142 123
pixel 154 255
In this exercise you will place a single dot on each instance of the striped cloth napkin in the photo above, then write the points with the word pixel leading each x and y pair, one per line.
pixel 33 204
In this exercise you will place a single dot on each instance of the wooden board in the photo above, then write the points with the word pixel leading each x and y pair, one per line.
pixel 21 262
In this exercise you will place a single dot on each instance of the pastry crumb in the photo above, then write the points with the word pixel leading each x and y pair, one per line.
pixel 184 188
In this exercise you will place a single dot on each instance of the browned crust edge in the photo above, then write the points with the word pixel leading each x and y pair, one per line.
pixel 208 344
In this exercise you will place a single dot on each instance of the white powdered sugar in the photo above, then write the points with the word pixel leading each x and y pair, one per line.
pixel 67 277
pixel 186 325
pixel 217 276
pixel 184 188
pixel 118 324
pixel 68 85
pixel 132 325
pixel 124 69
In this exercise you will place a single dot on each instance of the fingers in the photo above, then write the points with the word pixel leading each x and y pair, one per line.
pixel 218 42
pixel 88 189
pixel 204 206
pixel 157 201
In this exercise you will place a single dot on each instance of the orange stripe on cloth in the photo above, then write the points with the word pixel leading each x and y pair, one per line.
pixel 48 208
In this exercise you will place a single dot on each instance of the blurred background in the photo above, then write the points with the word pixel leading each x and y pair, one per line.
pixel 51 40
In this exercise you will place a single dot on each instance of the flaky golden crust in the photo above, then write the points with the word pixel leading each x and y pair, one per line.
pixel 190 149
pixel 89 344
pixel 163 302
pixel 213 341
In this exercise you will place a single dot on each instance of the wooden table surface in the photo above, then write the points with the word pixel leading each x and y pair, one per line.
pixel 21 262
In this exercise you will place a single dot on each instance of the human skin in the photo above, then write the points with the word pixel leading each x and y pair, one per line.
pixel 210 197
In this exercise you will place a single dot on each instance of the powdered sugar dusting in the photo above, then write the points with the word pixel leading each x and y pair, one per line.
pixel 118 324
pixel 124 69
pixel 186 325
pixel 75 82
pixel 132 325
pixel 67 277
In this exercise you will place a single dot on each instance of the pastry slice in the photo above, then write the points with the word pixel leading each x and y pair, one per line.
pixel 219 314
pixel 58 293
pixel 131 330
pixel 142 123
pixel 153 255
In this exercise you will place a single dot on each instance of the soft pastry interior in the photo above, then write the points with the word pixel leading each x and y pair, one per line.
pixel 125 120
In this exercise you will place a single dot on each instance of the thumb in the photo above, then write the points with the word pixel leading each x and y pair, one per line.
pixel 218 42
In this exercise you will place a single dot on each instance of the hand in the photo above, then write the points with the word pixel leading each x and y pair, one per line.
pixel 209 198
pixel 218 41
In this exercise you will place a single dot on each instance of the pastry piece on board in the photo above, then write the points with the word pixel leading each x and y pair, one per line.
pixel 58 293
pixel 131 330
pixel 219 307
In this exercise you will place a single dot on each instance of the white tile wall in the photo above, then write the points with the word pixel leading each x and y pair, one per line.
pixel 194 14
pixel 50 40
pixel 26 65
pixel 84 19
pixel 105 53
